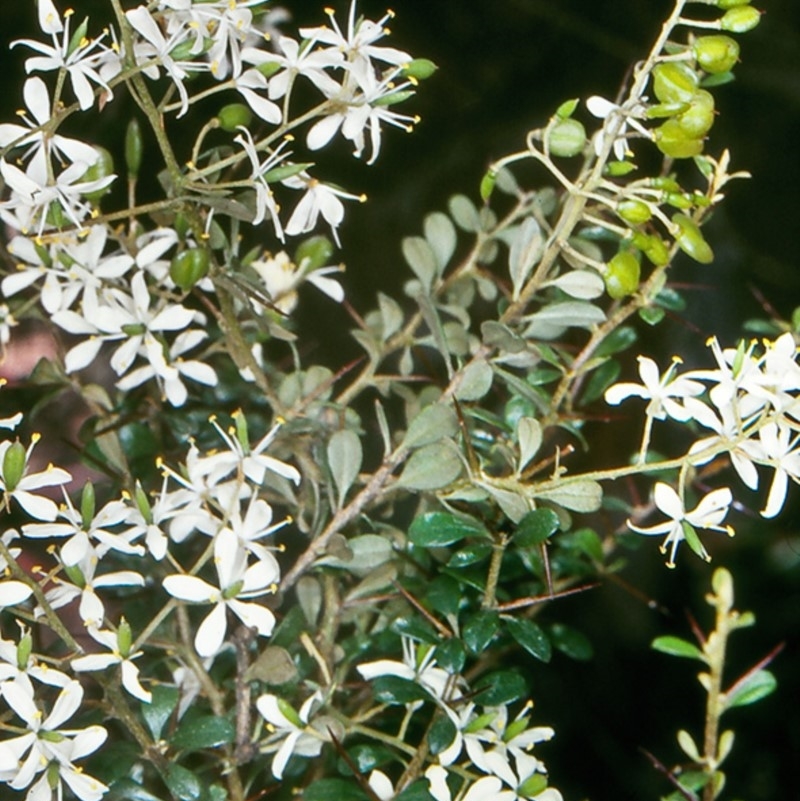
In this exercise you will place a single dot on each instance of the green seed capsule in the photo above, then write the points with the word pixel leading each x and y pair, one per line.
pixel 678 200
pixel 24 650
pixel 732 3
pixel 618 169
pixel 420 68
pixel 313 253
pixel 690 239
pixel 634 212
pixel 102 168
pixel 740 19
pixel 566 138
pixel 698 118
pixel 124 638
pixel 487 185
pixel 189 267
pixel 656 251
pixel 87 505
pixel 13 465
pixel 234 115
pixel 622 275
pixel 716 53
pixel 674 82
pixel 133 147
pixel 673 141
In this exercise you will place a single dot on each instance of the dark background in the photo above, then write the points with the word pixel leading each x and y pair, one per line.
pixel 504 67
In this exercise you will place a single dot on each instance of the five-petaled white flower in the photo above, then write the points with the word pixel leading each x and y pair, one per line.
pixel 708 514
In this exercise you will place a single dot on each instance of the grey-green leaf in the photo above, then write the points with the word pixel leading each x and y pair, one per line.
pixel 441 235
pixel 577 496
pixel 476 381
pixel 529 436
pixel 432 467
pixel 525 251
pixel 433 423
pixel 344 459
pixel 421 259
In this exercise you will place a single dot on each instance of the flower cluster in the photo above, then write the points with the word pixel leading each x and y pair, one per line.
pixel 750 405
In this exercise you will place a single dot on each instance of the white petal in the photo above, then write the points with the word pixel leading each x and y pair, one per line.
pixel 254 616
pixel 211 633
pixel 190 588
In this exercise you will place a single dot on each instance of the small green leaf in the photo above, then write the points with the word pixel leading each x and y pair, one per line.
pixel 535 527
pixel 128 790
pixel 437 529
pixel 583 495
pixel 345 456
pixel 688 745
pixel 571 642
pixel 396 690
pixel 205 732
pixel 675 646
pixel 530 636
pixel 441 235
pixel 463 211
pixel 433 423
pixel 451 655
pixel 755 687
pixel 159 710
pixel 479 630
pixel 444 595
pixel 182 783
pixel 367 757
pixel 441 734
pixel 476 381
pixel 432 467
pixel 421 259
pixel 418 791
pixel 529 437
pixel 470 555
pixel 500 687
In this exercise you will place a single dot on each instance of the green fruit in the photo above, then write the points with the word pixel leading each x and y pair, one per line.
pixel 674 142
pixel 679 200
pixel 14 461
pixel 656 251
pixel 740 19
pixel 622 275
pixel 674 82
pixel 102 168
pixel 189 267
pixel 617 169
pixel 233 116
pixel 634 212
pixel 732 3
pixel 698 118
pixel 566 138
pixel 420 69
pixel 690 239
pixel 716 53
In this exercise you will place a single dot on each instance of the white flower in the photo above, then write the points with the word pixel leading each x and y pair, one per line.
pixel 18 663
pixel 50 749
pixel 708 514
pixel 17 483
pixel 81 62
pixel 619 117
pixel 282 277
pixel 38 143
pixel 777 447
pixel 118 643
pixel 358 42
pixel 487 788
pixel 290 729
pixel 237 581
pixel 318 199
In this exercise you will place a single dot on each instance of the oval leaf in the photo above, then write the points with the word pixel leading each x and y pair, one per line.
pixel 577 496
pixel 524 253
pixel 501 687
pixel 421 259
pixel 529 436
pixel 476 381
pixel 432 467
pixel 433 423
pixel 479 630
pixel 530 636
pixel 344 459
pixel 755 687
pixel 675 646
pixel 205 732
pixel 441 235
pixel 182 783
pixel 535 527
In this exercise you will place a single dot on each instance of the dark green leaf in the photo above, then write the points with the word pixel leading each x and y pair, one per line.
pixel 501 687
pixel 334 790
pixel 571 642
pixel 755 687
pixel 159 710
pixel 585 540
pixel 436 529
pixel 479 630
pixel 470 555
pixel 394 690
pixel 675 646
pixel 530 636
pixel 599 381
pixel 444 595
pixel 441 734
pixel 182 783
pixel 418 791
pixel 618 340
pixel 415 627
pixel 366 757
pixel 129 790
pixel 206 732
pixel 451 655
pixel 652 315
pixel 535 527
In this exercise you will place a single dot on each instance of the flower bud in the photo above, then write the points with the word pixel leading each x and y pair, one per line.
pixel 716 53
pixel 622 275
pixel 189 267
pixel 679 200
pixel 133 147
pixel 420 68
pixel 313 253
pixel 242 433
pixel 674 82
pixel 731 3
pixel 674 142
pixel 124 638
pixel 740 19
pixel 656 251
pixel 634 211
pixel 566 138
pixel 618 169
pixel 690 240
pixel 143 504
pixel 24 650
pixel 269 68
pixel 234 115
pixel 14 465
pixel 487 185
